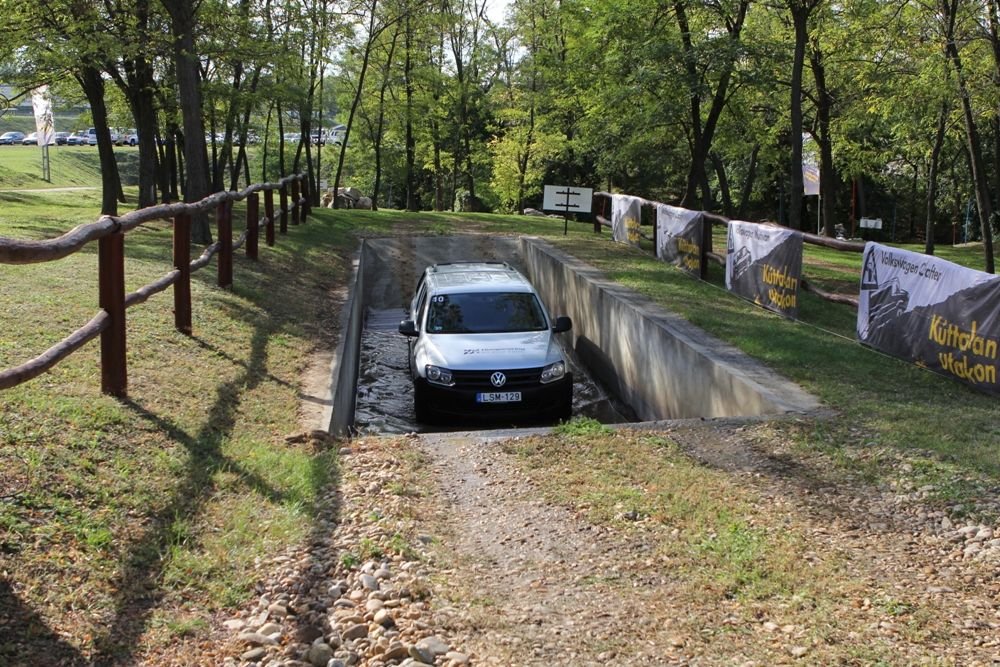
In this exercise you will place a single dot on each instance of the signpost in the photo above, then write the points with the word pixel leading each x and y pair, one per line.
pixel 567 199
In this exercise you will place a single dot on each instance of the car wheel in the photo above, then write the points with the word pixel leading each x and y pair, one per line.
pixel 424 414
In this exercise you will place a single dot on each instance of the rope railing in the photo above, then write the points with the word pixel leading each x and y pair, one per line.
pixel 109 232
pixel 722 221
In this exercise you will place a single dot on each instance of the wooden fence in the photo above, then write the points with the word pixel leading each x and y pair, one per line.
pixel 602 217
pixel 109 232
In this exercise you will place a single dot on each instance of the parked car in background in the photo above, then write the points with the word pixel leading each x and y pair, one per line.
pixel 11 138
pixel 130 137
pixel 78 138
pixel 60 138
pixel 92 136
pixel 30 140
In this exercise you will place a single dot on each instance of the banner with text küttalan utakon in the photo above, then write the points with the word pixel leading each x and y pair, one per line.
pixel 933 312
pixel 764 264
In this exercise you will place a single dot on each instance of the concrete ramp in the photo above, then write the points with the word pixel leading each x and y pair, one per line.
pixel 656 363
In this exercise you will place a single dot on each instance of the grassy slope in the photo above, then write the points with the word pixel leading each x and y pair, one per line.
pixel 127 520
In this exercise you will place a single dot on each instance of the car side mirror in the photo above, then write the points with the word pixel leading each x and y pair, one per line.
pixel 562 324
pixel 408 328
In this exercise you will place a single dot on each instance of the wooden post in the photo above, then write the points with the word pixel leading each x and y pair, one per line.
pixel 283 227
pixel 706 246
pixel 604 214
pixel 296 204
pixel 269 212
pixel 182 262
pixel 253 224
pixel 306 201
pixel 111 295
pixel 225 222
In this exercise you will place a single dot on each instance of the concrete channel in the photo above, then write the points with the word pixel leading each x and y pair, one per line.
pixel 635 360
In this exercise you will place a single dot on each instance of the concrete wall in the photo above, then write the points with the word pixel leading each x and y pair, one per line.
pixel 339 414
pixel 658 363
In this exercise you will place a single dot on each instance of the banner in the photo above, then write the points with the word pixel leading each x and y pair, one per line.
pixel 935 313
pixel 42 104
pixel 626 215
pixel 679 237
pixel 764 264
pixel 810 166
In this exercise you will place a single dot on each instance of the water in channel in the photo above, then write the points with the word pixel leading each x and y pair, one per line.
pixel 385 392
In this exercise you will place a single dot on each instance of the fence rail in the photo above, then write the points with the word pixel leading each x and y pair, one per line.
pixel 109 232
pixel 604 198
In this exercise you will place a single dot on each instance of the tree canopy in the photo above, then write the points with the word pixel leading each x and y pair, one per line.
pixel 705 103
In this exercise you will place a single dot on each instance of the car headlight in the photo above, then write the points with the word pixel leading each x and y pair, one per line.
pixel 438 375
pixel 553 372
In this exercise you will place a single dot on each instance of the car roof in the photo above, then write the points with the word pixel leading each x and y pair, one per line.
pixel 475 277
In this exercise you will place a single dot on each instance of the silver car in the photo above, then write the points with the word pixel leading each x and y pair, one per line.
pixel 481 344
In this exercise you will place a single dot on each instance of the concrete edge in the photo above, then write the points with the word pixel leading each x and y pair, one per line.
pixel 338 415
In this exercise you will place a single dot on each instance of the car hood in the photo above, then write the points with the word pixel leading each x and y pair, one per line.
pixel 487 351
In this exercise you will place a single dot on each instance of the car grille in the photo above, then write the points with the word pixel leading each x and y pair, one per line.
pixel 520 377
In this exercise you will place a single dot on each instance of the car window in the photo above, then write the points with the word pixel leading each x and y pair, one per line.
pixel 421 305
pixel 485 312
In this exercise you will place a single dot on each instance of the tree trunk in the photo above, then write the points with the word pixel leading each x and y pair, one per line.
pixel 703 132
pixel 182 15
pixel 932 177
pixel 800 17
pixel 410 140
pixel 973 144
pixel 372 35
pixel 92 83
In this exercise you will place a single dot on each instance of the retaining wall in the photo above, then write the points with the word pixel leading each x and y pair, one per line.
pixel 656 362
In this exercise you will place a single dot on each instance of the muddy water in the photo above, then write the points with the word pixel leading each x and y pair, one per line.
pixel 385 393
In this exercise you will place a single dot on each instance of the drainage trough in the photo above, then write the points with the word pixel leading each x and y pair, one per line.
pixel 656 363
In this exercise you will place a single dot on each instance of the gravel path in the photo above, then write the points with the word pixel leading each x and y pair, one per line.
pixel 496 575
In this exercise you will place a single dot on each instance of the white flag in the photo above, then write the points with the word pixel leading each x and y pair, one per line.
pixel 810 166
pixel 42 104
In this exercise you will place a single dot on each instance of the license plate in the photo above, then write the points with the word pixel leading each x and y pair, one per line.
pixel 499 397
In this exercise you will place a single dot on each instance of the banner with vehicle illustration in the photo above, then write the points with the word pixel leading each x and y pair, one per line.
pixel 933 312
pixel 764 264
pixel 679 237
pixel 626 216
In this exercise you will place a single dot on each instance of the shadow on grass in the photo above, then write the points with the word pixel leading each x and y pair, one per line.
pixel 23 633
pixel 138 584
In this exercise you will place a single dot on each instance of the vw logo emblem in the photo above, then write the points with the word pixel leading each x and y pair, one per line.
pixel 498 379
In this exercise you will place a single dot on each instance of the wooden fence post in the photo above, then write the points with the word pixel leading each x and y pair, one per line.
pixel 253 224
pixel 283 227
pixel 706 247
pixel 111 295
pixel 604 214
pixel 269 212
pixel 306 201
pixel 182 262
pixel 295 201
pixel 225 222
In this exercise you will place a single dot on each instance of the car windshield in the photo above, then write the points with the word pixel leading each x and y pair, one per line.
pixel 484 312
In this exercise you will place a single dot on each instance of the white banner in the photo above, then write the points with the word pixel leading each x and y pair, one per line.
pixel 679 236
pixel 626 215
pixel 42 105
pixel 938 314
pixel 810 166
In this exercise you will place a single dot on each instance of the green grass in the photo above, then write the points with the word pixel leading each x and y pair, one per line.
pixel 71 166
